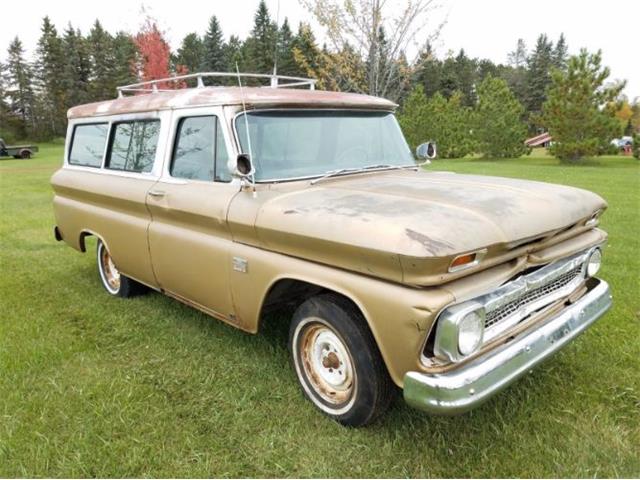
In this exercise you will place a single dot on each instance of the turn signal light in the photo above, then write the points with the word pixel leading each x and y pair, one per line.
pixel 466 260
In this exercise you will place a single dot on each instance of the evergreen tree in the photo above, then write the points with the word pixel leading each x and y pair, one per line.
pixel 286 61
pixel 539 74
pixel 260 44
pixel 4 106
pixel 446 121
pixel 465 74
pixel 214 48
pixel 49 74
pixel 103 63
pixel 429 71
pixel 413 117
pixel 560 54
pixel 577 111
pixel 191 53
pixel 77 68
pixel 518 58
pixel 234 54
pixel 125 59
pixel 19 89
pixel 499 130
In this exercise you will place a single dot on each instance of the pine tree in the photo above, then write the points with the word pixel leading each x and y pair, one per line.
pixel 214 48
pixel 465 74
pixel 429 71
pixel 4 106
pixel 191 53
pixel 446 121
pixel 539 65
pixel 234 54
pixel 77 68
pixel 560 54
pixel 286 61
pixel 49 73
pixel 518 58
pixel 101 54
pixel 19 88
pixel 261 42
pixel 577 111
pixel 499 130
pixel 125 59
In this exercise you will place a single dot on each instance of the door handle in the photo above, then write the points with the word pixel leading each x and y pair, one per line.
pixel 156 193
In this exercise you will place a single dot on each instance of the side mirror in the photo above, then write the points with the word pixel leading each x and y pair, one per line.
pixel 244 167
pixel 426 150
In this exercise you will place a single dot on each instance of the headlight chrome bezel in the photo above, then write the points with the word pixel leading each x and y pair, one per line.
pixel 593 263
pixel 447 340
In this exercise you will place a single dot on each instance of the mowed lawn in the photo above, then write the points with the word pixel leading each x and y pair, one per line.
pixel 92 385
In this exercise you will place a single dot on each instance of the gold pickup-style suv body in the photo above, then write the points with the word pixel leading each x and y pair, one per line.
pixel 448 286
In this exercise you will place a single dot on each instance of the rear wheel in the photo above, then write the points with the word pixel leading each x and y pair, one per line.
pixel 337 361
pixel 113 281
pixel 25 154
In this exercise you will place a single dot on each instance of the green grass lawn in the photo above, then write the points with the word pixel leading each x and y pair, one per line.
pixel 92 385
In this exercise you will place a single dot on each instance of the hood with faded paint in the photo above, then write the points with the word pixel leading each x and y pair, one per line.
pixel 401 225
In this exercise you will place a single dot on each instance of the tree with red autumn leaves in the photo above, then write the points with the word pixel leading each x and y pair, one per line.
pixel 154 55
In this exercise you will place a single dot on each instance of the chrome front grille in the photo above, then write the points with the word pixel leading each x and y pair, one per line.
pixel 496 316
pixel 518 299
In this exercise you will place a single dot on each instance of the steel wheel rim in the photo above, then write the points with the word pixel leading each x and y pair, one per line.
pixel 327 364
pixel 110 273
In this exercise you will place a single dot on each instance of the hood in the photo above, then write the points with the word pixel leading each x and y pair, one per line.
pixel 400 225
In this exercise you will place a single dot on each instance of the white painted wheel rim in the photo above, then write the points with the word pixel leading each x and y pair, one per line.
pixel 325 367
pixel 109 273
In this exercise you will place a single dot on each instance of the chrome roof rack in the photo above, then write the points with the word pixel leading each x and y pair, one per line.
pixel 154 86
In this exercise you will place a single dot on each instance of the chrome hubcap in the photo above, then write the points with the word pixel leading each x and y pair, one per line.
pixel 327 364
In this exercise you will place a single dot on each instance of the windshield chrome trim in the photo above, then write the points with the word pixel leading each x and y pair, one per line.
pixel 236 138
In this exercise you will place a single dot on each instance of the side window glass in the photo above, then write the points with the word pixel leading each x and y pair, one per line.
pixel 87 144
pixel 133 146
pixel 222 157
pixel 199 152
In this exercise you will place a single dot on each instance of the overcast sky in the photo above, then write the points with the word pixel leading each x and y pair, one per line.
pixel 487 29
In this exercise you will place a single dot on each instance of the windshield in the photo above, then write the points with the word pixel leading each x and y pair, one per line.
pixel 310 143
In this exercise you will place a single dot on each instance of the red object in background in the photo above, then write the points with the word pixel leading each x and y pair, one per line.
pixel 154 52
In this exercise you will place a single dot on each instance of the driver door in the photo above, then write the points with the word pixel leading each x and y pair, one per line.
pixel 189 238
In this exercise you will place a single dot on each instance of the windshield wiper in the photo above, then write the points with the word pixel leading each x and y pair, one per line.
pixel 341 171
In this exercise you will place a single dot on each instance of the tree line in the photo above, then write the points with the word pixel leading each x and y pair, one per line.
pixel 466 104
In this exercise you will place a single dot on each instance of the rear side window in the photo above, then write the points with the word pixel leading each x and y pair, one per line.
pixel 87 144
pixel 133 145
pixel 200 152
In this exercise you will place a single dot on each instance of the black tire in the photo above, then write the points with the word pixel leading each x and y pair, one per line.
pixel 349 382
pixel 25 154
pixel 124 286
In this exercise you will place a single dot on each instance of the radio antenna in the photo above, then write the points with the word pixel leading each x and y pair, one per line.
pixel 274 81
pixel 246 126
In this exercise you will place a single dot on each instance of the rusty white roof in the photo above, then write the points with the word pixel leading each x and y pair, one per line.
pixel 254 97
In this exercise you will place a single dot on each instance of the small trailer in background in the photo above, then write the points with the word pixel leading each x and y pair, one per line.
pixel 17 151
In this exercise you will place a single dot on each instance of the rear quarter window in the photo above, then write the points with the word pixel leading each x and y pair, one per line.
pixel 87 144
pixel 133 146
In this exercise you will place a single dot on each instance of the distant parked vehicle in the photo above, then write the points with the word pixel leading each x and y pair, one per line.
pixel 17 151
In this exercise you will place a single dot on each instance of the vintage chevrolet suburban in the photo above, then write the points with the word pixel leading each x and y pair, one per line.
pixel 241 201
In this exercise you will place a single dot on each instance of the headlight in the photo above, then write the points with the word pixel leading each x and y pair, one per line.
pixel 593 262
pixel 460 331
pixel 470 332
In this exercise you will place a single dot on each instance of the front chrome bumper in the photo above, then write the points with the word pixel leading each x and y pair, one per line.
pixel 470 385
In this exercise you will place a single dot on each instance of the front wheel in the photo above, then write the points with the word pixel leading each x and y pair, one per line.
pixel 337 361
pixel 113 281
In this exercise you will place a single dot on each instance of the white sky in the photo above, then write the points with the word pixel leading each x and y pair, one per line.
pixel 487 29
